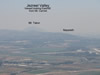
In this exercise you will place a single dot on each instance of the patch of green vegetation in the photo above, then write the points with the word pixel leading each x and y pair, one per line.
pixel 90 73
pixel 42 50
pixel 39 71
pixel 1 72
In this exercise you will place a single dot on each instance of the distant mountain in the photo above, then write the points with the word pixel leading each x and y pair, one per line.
pixel 32 34
pixel 47 39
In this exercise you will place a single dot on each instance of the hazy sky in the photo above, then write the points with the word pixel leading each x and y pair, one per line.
pixel 81 15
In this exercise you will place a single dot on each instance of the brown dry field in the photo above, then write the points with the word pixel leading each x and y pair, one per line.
pixel 4 73
pixel 53 73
